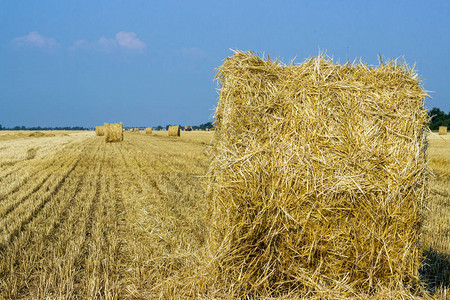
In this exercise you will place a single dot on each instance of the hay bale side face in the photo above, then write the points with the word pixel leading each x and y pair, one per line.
pixel 318 175
pixel 442 130
pixel 174 130
pixel 148 130
pixel 99 130
pixel 114 133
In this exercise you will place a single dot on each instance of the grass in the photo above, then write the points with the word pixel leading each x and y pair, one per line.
pixel 82 219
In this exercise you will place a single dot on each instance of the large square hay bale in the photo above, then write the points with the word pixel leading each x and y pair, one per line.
pixel 318 176
pixel 100 130
pixel 442 130
pixel 114 132
pixel 148 130
pixel 174 130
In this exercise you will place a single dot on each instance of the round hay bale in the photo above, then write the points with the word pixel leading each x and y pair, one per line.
pixel 113 133
pixel 318 176
pixel 148 130
pixel 442 130
pixel 100 130
pixel 174 130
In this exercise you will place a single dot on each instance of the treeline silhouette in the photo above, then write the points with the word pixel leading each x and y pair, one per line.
pixel 39 128
pixel 437 118
pixel 204 126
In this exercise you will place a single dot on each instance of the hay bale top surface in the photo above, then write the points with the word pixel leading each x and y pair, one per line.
pixel 318 175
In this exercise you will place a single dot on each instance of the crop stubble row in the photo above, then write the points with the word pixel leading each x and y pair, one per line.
pixel 96 221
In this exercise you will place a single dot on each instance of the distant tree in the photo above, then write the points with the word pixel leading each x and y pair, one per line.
pixel 438 118
pixel 208 125
pixel 159 127
pixel 78 128
pixel 1 127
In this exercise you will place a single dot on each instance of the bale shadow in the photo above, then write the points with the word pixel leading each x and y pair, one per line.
pixel 435 271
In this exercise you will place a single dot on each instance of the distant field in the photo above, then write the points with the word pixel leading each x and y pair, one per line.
pixel 83 219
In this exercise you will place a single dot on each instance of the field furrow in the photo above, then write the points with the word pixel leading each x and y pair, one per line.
pixel 22 179
pixel 25 211
pixel 34 224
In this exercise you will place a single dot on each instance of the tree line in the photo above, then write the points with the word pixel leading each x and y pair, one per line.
pixel 204 126
pixel 437 118
pixel 39 128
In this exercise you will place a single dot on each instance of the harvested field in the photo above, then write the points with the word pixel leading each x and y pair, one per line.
pixel 84 219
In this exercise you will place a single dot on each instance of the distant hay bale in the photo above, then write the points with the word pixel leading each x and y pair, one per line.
pixel 174 130
pixel 442 130
pixel 318 176
pixel 148 130
pixel 100 130
pixel 113 132
pixel 136 130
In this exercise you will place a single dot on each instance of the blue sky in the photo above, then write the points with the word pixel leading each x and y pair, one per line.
pixel 149 63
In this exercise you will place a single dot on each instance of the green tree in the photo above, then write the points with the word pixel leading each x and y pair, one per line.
pixel 438 118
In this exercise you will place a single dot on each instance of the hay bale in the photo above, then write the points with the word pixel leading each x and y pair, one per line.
pixel 136 130
pixel 100 130
pixel 318 176
pixel 113 132
pixel 148 130
pixel 174 130
pixel 442 130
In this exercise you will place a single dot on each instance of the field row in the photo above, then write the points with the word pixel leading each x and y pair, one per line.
pixel 101 220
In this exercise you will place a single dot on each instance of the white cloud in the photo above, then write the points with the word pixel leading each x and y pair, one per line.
pixel 124 40
pixel 129 40
pixel 35 39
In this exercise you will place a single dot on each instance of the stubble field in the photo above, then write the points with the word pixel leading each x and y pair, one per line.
pixel 80 218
